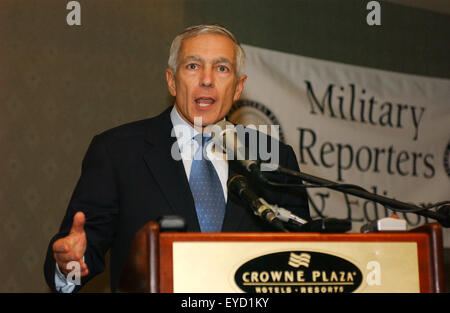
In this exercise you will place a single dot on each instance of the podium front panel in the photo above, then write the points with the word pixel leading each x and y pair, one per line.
pixel 295 263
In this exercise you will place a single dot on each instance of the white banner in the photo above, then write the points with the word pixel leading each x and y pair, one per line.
pixel 387 132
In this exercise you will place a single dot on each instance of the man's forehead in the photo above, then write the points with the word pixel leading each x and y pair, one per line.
pixel 208 45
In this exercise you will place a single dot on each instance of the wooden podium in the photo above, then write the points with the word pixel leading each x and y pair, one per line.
pixel 285 262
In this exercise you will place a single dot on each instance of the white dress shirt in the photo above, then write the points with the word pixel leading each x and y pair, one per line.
pixel 185 134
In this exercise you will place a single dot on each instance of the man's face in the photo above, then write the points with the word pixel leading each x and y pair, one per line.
pixel 206 84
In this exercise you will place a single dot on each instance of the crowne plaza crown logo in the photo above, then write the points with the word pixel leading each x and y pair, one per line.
pixel 297 260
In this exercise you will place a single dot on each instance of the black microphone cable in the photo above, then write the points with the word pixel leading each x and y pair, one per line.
pixel 441 206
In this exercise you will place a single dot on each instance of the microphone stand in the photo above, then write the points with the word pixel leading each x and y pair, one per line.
pixel 361 193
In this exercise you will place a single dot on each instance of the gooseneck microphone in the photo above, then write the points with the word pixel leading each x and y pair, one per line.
pixel 225 137
pixel 238 185
pixel 274 215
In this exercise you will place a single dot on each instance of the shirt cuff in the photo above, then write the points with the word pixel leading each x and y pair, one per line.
pixel 61 283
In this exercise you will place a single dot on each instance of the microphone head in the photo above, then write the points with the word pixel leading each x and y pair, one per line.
pixel 231 141
pixel 219 134
pixel 237 183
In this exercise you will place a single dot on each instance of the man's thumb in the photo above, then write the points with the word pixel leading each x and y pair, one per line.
pixel 78 223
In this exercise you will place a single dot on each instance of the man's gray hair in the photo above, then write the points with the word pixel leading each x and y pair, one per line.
pixel 205 29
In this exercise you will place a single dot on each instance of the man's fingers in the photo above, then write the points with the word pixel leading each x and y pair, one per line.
pixel 60 247
pixel 69 268
pixel 78 223
pixel 84 269
pixel 84 272
pixel 67 256
pixel 72 248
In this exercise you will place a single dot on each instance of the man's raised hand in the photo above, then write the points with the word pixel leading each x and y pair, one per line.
pixel 72 247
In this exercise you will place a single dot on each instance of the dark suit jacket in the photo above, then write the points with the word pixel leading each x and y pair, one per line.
pixel 129 178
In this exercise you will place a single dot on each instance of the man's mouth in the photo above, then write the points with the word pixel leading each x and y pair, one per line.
pixel 204 102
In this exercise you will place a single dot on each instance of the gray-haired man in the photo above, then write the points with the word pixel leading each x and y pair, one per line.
pixel 129 175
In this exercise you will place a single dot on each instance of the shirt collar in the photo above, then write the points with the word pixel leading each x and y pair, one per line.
pixel 184 132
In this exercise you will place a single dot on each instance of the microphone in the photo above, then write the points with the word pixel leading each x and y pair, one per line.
pixel 225 137
pixel 238 184
pixel 285 215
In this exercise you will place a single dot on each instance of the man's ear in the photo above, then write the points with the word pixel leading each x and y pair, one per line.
pixel 170 78
pixel 239 87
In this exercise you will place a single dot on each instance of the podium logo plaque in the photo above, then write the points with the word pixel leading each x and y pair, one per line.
pixel 298 272
pixel 296 267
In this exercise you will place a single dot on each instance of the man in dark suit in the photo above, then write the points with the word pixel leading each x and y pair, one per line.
pixel 141 171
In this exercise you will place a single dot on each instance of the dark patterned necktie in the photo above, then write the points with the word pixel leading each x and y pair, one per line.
pixel 206 190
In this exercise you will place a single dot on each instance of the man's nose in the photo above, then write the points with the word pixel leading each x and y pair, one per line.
pixel 207 78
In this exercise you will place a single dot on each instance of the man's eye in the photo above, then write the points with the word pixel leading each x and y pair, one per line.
pixel 223 68
pixel 192 66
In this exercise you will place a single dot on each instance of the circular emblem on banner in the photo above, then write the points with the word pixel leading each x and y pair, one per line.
pixel 298 272
pixel 447 159
pixel 247 112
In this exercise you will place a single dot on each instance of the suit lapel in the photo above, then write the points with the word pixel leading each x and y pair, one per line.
pixel 168 172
